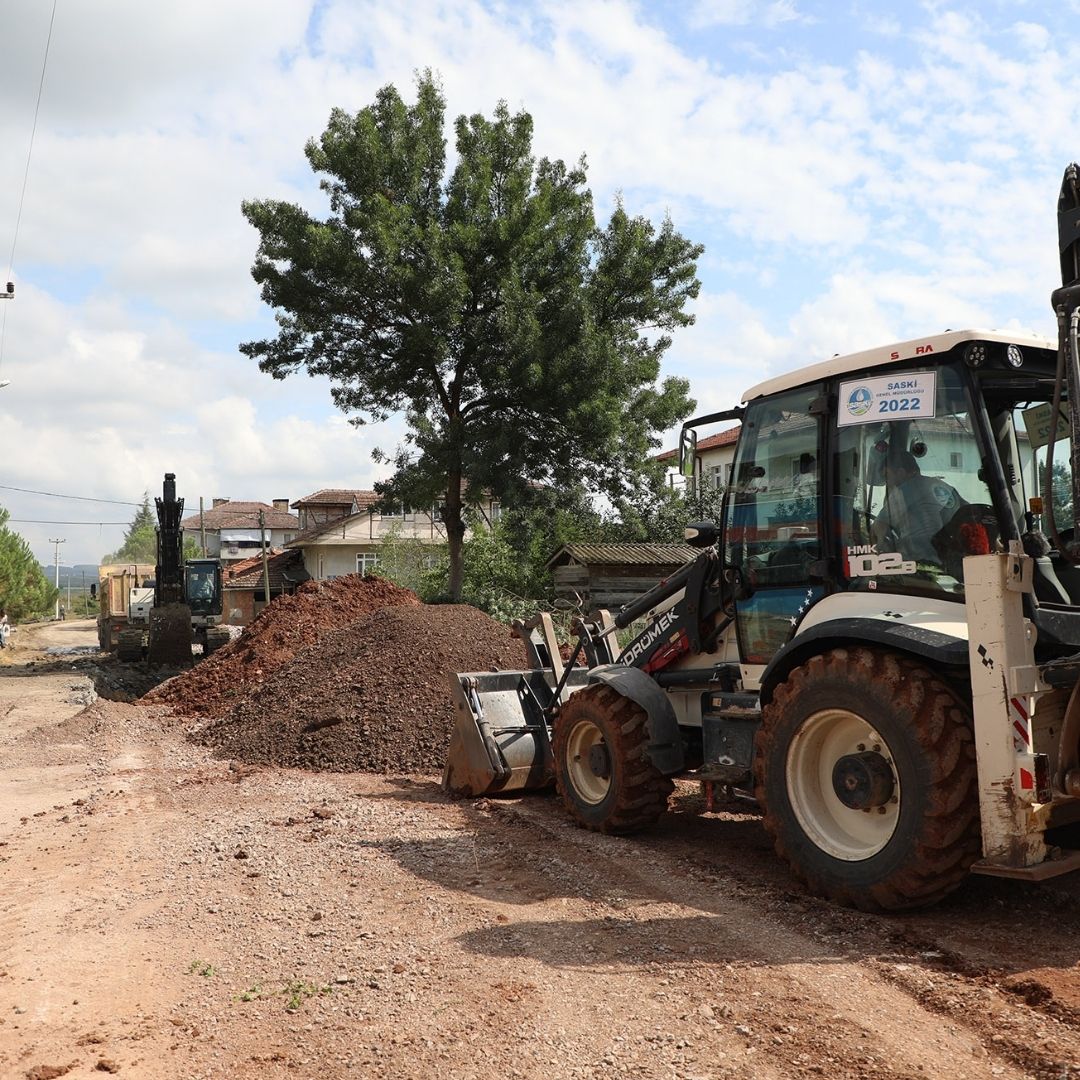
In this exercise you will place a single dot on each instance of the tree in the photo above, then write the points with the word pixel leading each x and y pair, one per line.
pixel 24 589
pixel 521 340
pixel 140 540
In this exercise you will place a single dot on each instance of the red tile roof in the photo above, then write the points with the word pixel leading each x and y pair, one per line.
pixel 712 442
pixel 242 515
pixel 338 497
pixel 286 567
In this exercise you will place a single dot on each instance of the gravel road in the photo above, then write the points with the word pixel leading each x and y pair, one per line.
pixel 164 913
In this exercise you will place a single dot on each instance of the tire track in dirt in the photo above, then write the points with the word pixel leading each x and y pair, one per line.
pixel 836 986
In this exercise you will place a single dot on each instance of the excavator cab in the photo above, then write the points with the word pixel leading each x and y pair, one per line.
pixel 202 586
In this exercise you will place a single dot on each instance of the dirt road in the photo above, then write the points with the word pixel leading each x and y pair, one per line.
pixel 165 914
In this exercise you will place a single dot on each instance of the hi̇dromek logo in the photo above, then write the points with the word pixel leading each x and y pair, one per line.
pixel 859 401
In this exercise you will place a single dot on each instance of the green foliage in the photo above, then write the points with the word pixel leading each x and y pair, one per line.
pixel 140 540
pixel 1061 493
pixel 521 339
pixel 660 513
pixel 25 591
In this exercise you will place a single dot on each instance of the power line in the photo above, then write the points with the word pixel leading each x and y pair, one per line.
pixel 77 498
pixel 36 521
pixel 26 171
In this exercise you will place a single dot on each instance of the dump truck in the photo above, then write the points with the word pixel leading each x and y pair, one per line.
pixel 183 603
pixel 115 585
pixel 879 640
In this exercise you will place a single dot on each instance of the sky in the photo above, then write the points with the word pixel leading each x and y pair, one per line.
pixel 859 173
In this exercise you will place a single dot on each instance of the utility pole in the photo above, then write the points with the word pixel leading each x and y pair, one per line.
pixel 202 529
pixel 56 572
pixel 266 561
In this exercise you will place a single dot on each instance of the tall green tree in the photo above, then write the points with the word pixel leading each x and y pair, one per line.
pixel 140 540
pixel 521 339
pixel 25 591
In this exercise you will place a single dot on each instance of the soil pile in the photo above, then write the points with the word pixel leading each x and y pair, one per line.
pixel 287 626
pixel 372 696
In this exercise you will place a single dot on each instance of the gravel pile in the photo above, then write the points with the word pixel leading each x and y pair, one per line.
pixel 287 626
pixel 371 696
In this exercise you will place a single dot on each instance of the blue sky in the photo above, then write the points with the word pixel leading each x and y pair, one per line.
pixel 859 173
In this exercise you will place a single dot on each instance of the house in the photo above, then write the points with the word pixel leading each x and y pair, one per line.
pixel 232 529
pixel 243 583
pixel 715 457
pixel 610 575
pixel 342 529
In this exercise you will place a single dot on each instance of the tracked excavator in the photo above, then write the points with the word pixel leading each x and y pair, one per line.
pixel 879 640
pixel 184 603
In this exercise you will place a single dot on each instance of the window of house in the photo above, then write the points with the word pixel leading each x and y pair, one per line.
pixel 496 512
pixel 956 461
pixel 717 477
pixel 366 561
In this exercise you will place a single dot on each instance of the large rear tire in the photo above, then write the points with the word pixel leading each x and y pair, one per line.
pixel 865 767
pixel 602 771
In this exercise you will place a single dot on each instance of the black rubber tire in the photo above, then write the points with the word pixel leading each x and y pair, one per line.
pixel 928 730
pixel 638 792
pixel 129 646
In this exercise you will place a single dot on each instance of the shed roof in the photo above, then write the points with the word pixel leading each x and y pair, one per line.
pixel 623 555
pixel 241 515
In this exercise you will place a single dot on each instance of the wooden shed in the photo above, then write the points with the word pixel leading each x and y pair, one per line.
pixel 610 575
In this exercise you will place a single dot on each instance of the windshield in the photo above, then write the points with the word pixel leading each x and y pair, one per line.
pixel 200 585
pixel 912 498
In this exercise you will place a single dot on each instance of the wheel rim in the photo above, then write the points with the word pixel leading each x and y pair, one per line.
pixel 844 833
pixel 584 737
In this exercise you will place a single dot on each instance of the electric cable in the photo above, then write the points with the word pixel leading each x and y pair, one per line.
pixel 26 174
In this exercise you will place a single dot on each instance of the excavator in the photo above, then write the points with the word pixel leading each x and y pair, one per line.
pixel 879 640
pixel 182 604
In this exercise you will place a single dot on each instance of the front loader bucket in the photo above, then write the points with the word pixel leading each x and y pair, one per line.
pixel 500 740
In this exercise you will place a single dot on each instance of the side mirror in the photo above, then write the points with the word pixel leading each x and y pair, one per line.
pixel 701 534
pixel 687 452
pixel 93 590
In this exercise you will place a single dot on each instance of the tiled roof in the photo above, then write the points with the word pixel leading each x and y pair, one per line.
pixel 712 442
pixel 323 528
pixel 286 567
pixel 242 515
pixel 624 554
pixel 338 497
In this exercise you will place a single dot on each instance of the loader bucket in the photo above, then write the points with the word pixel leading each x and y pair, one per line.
pixel 500 741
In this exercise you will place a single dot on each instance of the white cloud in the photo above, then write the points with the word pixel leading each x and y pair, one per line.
pixel 845 200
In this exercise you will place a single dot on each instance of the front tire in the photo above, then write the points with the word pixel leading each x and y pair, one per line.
pixel 865 767
pixel 602 769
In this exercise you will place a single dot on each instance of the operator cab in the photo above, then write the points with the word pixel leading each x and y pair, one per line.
pixel 202 586
pixel 877 473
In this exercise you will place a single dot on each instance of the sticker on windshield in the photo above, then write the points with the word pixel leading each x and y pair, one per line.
pixel 1037 422
pixel 887 397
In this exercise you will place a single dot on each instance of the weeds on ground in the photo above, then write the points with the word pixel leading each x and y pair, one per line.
pixel 201 967
pixel 295 993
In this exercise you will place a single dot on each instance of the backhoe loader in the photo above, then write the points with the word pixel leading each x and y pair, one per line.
pixel 880 638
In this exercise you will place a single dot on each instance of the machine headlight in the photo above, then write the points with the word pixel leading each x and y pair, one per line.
pixel 975 354
pixel 1014 357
